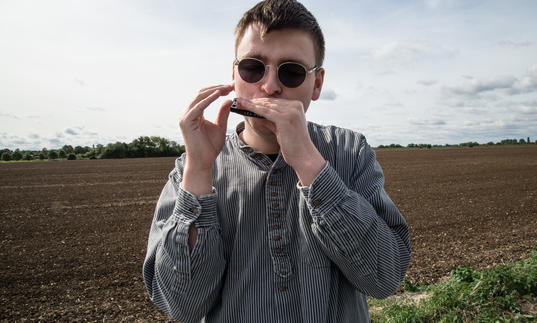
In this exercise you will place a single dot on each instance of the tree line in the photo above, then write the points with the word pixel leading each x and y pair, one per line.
pixel 145 146
pixel 520 141
pixel 140 147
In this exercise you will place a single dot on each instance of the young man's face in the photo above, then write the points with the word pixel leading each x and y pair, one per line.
pixel 279 46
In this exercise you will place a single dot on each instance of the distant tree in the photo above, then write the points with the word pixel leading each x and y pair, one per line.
pixel 17 155
pixel 117 150
pixel 162 145
pixel 99 149
pixel 176 149
pixel 522 141
pixel 62 154
pixel 52 154
pixel 142 146
pixel 469 144
pixel 6 156
pixel 71 156
pixel 490 143
pixel 80 150
pixel 27 156
pixel 92 154
pixel 42 156
pixel 509 142
pixel 67 149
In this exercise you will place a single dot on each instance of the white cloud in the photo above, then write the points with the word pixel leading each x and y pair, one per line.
pixel 411 50
pixel 328 95
pixel 95 109
pixel 8 115
pixel 510 85
pixel 427 82
pixel 475 86
pixel 515 44
pixel 71 132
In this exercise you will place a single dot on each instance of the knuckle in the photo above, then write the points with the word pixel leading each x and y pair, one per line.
pixel 182 122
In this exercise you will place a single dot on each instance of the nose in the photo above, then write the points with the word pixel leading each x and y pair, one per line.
pixel 270 84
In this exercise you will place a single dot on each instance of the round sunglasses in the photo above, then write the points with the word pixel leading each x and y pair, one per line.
pixel 290 74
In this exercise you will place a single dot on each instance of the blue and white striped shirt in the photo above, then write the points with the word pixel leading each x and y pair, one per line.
pixel 270 250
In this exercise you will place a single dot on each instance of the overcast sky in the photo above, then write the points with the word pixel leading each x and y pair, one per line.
pixel 83 72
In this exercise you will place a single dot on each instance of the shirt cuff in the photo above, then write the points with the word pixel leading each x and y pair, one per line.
pixel 198 210
pixel 325 192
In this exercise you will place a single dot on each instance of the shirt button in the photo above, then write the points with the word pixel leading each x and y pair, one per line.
pixel 316 203
pixel 276 215
pixel 273 183
pixel 275 204
pixel 273 194
pixel 195 211
pixel 277 238
pixel 258 157
pixel 276 227
pixel 278 250
pixel 282 288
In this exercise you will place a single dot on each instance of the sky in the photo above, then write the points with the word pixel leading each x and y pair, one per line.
pixel 87 72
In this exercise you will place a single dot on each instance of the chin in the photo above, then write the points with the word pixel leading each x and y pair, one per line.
pixel 260 126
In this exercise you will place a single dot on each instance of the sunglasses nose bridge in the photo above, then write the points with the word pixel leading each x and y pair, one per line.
pixel 268 67
pixel 271 82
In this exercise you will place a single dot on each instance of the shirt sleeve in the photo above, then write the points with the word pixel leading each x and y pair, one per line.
pixel 184 284
pixel 359 227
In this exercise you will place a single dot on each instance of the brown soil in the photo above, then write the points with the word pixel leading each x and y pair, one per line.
pixel 73 233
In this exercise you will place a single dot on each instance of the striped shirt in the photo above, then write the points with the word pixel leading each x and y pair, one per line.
pixel 270 250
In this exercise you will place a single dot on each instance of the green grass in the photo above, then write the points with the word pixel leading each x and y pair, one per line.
pixel 500 294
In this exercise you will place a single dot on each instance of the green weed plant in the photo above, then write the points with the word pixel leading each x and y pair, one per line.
pixel 492 295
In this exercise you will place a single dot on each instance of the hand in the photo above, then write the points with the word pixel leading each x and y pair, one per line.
pixel 203 139
pixel 288 123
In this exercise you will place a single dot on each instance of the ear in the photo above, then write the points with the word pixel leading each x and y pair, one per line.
pixel 318 85
pixel 233 71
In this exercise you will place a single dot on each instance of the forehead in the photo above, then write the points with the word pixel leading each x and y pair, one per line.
pixel 277 46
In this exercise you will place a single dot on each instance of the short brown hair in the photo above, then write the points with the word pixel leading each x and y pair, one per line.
pixel 281 14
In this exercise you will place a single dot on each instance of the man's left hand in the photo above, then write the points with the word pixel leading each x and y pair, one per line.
pixel 288 123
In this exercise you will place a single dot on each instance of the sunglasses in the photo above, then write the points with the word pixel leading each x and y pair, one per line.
pixel 290 74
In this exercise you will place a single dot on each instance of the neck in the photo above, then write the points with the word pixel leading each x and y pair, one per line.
pixel 264 143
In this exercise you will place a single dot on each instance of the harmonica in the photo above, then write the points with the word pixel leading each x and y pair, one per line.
pixel 243 112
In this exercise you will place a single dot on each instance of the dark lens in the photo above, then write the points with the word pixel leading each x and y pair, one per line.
pixel 251 70
pixel 291 74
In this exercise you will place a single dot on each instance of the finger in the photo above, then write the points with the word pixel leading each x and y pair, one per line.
pixel 215 87
pixel 223 115
pixel 263 109
pixel 197 110
pixel 205 92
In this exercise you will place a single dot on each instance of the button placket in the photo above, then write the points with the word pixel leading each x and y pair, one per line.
pixel 276 226
pixel 274 218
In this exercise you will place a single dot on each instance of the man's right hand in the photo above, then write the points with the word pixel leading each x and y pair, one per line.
pixel 203 139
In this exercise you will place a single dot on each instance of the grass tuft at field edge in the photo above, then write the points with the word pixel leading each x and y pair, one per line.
pixel 507 293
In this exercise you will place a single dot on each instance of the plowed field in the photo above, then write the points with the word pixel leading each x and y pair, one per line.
pixel 73 233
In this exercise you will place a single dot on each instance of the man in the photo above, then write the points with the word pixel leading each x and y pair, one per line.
pixel 284 220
